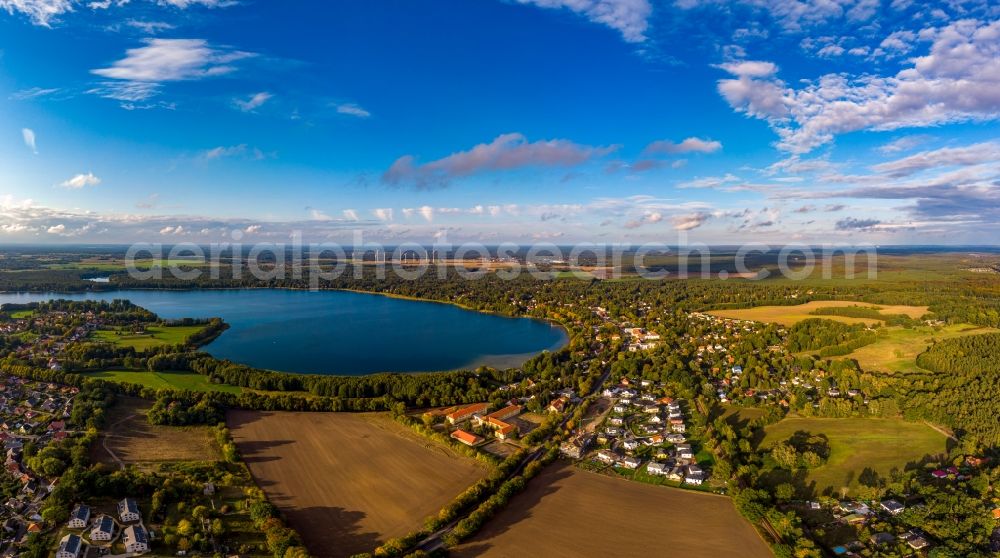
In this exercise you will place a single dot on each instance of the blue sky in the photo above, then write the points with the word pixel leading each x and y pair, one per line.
pixel 633 121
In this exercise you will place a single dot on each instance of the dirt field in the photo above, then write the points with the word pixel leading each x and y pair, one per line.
pixel 349 482
pixel 568 512
pixel 790 315
pixel 130 439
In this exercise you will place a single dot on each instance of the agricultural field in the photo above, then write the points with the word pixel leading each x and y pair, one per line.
pixel 568 512
pixel 155 336
pixel 191 381
pixel 859 448
pixel 349 482
pixel 791 315
pixel 129 439
pixel 899 348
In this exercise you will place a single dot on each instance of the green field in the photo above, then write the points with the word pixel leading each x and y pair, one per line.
pixel 155 336
pixel 898 350
pixel 115 264
pixel 859 447
pixel 159 380
pixel 20 314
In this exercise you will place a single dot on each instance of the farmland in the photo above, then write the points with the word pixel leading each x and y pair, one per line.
pixel 567 512
pixel 130 439
pixel 191 381
pixel 859 447
pixel 154 336
pixel 897 350
pixel 790 315
pixel 348 482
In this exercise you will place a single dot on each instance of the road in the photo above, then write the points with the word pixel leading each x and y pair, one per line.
pixel 433 541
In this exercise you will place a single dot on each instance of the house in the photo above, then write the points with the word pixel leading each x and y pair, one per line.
pixel 466 438
pixel 620 408
pixel 128 511
pixel 104 529
pixel 606 457
pixel 915 541
pixel 79 518
pixel 675 474
pixel 558 405
pixel 465 413
pixel 675 438
pixel 655 468
pixel 684 451
pixel 136 540
pixel 576 447
pixel 617 421
pixel 631 444
pixel 694 475
pixel 892 506
pixel 69 547
pixel 631 462
pixel 879 539
pixel 209 489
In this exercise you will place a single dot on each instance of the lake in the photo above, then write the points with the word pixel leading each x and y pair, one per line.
pixel 344 333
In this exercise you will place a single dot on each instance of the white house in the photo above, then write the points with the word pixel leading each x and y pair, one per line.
pixel 606 457
pixel 104 529
pixel 69 547
pixel 631 462
pixel 694 475
pixel 135 539
pixel 128 511
pixel 79 518
pixel 893 507
pixel 631 444
pixel 684 451
pixel 655 468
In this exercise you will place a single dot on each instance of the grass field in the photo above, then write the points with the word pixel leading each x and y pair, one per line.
pixel 155 336
pixel 130 439
pixel 164 380
pixel 571 513
pixel 348 482
pixel 117 264
pixel 21 314
pixel 898 350
pixel 857 444
pixel 791 315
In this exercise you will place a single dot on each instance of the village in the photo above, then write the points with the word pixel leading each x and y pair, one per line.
pixel 34 415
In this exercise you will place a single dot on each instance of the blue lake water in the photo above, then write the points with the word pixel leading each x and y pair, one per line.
pixel 335 332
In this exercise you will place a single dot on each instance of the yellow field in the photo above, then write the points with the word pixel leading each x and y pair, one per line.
pixel 791 315
pixel 129 439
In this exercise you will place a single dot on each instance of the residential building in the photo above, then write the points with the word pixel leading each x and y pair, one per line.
pixel 128 511
pixel 79 518
pixel 135 539
pixel 104 529
pixel 69 547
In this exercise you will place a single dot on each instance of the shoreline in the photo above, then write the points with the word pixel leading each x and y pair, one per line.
pixel 471 366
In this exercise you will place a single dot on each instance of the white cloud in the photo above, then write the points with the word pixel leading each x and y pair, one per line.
pixel 979 153
pixel 750 68
pixel 33 93
pixel 904 143
pixel 29 139
pixel 149 27
pixel 253 102
pixel 41 12
pixel 383 213
pixel 710 182
pixel 957 80
pixel 650 218
pixel 628 17
pixel 165 60
pixel 506 152
pixel 56 229
pixel 351 215
pixel 241 150
pixel 253 229
pixel 80 181
pixel 689 145
pixel 690 221
pixel 351 109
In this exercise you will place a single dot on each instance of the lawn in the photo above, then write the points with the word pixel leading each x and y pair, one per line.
pixel 898 350
pixel 155 336
pixel 21 314
pixel 791 315
pixel 858 447
pixel 164 380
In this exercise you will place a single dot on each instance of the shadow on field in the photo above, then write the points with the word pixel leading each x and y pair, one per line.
pixel 518 509
pixel 252 451
pixel 330 532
